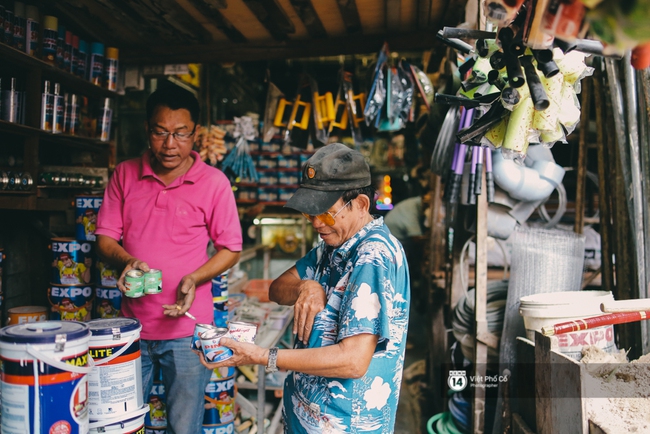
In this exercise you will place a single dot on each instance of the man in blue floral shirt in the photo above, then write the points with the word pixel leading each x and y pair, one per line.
pixel 351 306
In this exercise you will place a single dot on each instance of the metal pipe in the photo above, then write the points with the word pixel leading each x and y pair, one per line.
pixel 459 45
pixel 588 46
pixel 537 92
pixel 455 32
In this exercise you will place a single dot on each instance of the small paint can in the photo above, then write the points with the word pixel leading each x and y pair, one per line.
pixel 26 314
pixel 210 343
pixel 153 281
pixel 134 282
pixel 242 331
pixel 196 339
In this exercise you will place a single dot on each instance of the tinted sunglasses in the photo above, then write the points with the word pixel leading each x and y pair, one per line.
pixel 326 217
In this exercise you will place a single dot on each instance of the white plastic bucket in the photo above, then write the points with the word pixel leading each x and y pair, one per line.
pixel 115 382
pixel 44 381
pixel 134 424
pixel 551 308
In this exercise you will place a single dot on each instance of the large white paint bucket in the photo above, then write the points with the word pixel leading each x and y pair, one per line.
pixel 132 425
pixel 551 308
pixel 115 382
pixel 44 377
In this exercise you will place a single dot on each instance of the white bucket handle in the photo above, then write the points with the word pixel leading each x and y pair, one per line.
pixel 122 418
pixel 34 352
pixel 116 354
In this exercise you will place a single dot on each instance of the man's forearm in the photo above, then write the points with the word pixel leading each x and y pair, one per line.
pixel 285 289
pixel 221 262
pixel 111 251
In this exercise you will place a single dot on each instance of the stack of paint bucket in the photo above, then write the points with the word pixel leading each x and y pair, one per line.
pixel 83 286
pixel 156 418
pixel 115 381
pixel 45 379
pixel 219 416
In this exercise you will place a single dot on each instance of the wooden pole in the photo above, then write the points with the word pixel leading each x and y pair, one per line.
pixel 582 157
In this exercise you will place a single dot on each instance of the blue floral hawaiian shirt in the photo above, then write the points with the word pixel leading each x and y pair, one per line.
pixel 367 285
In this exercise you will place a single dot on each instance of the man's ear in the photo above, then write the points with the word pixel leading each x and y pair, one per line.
pixel 363 202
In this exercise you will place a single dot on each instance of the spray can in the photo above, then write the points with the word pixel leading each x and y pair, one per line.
pixel 57 110
pixel 60 46
pixel 19 26
pixel 67 51
pixel 112 55
pixel 74 57
pixel 47 107
pixel 50 35
pixel 31 30
pixel 71 114
pixel 82 60
pixel 104 121
pixel 8 36
pixel 96 67
pixel 10 102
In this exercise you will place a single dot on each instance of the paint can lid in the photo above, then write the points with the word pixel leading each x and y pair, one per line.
pixel 75 41
pixel 108 326
pixel 97 48
pixel 46 332
pixel 112 53
pixel 61 31
pixel 19 9
pixel 83 46
pixel 50 22
pixel 68 37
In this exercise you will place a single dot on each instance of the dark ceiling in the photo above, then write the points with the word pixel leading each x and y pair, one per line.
pixel 203 31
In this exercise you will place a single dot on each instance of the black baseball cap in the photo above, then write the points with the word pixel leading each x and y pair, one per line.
pixel 330 172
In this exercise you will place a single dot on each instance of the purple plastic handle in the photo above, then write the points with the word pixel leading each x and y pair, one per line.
pixel 488 160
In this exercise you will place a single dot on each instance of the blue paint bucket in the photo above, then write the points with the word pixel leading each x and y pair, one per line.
pixel 220 300
pixel 226 428
pixel 70 303
pixel 108 303
pixel 155 421
pixel 219 402
pixel 44 377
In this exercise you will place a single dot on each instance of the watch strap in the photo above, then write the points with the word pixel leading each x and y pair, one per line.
pixel 271 365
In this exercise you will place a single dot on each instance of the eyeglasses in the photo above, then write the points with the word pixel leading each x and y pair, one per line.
pixel 161 136
pixel 326 217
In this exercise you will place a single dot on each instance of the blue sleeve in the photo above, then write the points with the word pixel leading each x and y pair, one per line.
pixel 306 266
pixel 377 296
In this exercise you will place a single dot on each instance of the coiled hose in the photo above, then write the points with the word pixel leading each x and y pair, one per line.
pixel 442 423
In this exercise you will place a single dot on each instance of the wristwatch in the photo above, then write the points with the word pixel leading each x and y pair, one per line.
pixel 271 365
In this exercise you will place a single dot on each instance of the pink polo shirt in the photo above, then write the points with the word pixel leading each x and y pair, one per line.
pixel 169 228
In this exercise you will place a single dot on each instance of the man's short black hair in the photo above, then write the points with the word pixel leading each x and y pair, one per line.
pixel 354 193
pixel 175 98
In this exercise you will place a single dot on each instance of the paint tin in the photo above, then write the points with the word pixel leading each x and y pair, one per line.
pixel 86 210
pixel 115 382
pixel 220 299
pixel 155 421
pixel 133 425
pixel 47 107
pixel 58 110
pixel 242 331
pixel 196 339
pixel 134 282
pixel 60 46
pixel 26 314
pixel 226 428
pixel 108 302
pixel 82 60
pixel 19 26
pixel 44 378
pixel 72 261
pixel 9 27
pixel 96 67
pixel 32 30
pixel 110 79
pixel 153 281
pixel 219 402
pixel 70 303
pixel 211 347
pixel 71 119
pixel 50 34
pixel 104 119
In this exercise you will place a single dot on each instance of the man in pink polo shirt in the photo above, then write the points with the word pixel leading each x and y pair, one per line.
pixel 165 207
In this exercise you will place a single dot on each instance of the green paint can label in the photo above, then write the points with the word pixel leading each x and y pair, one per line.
pixel 134 282
pixel 153 282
